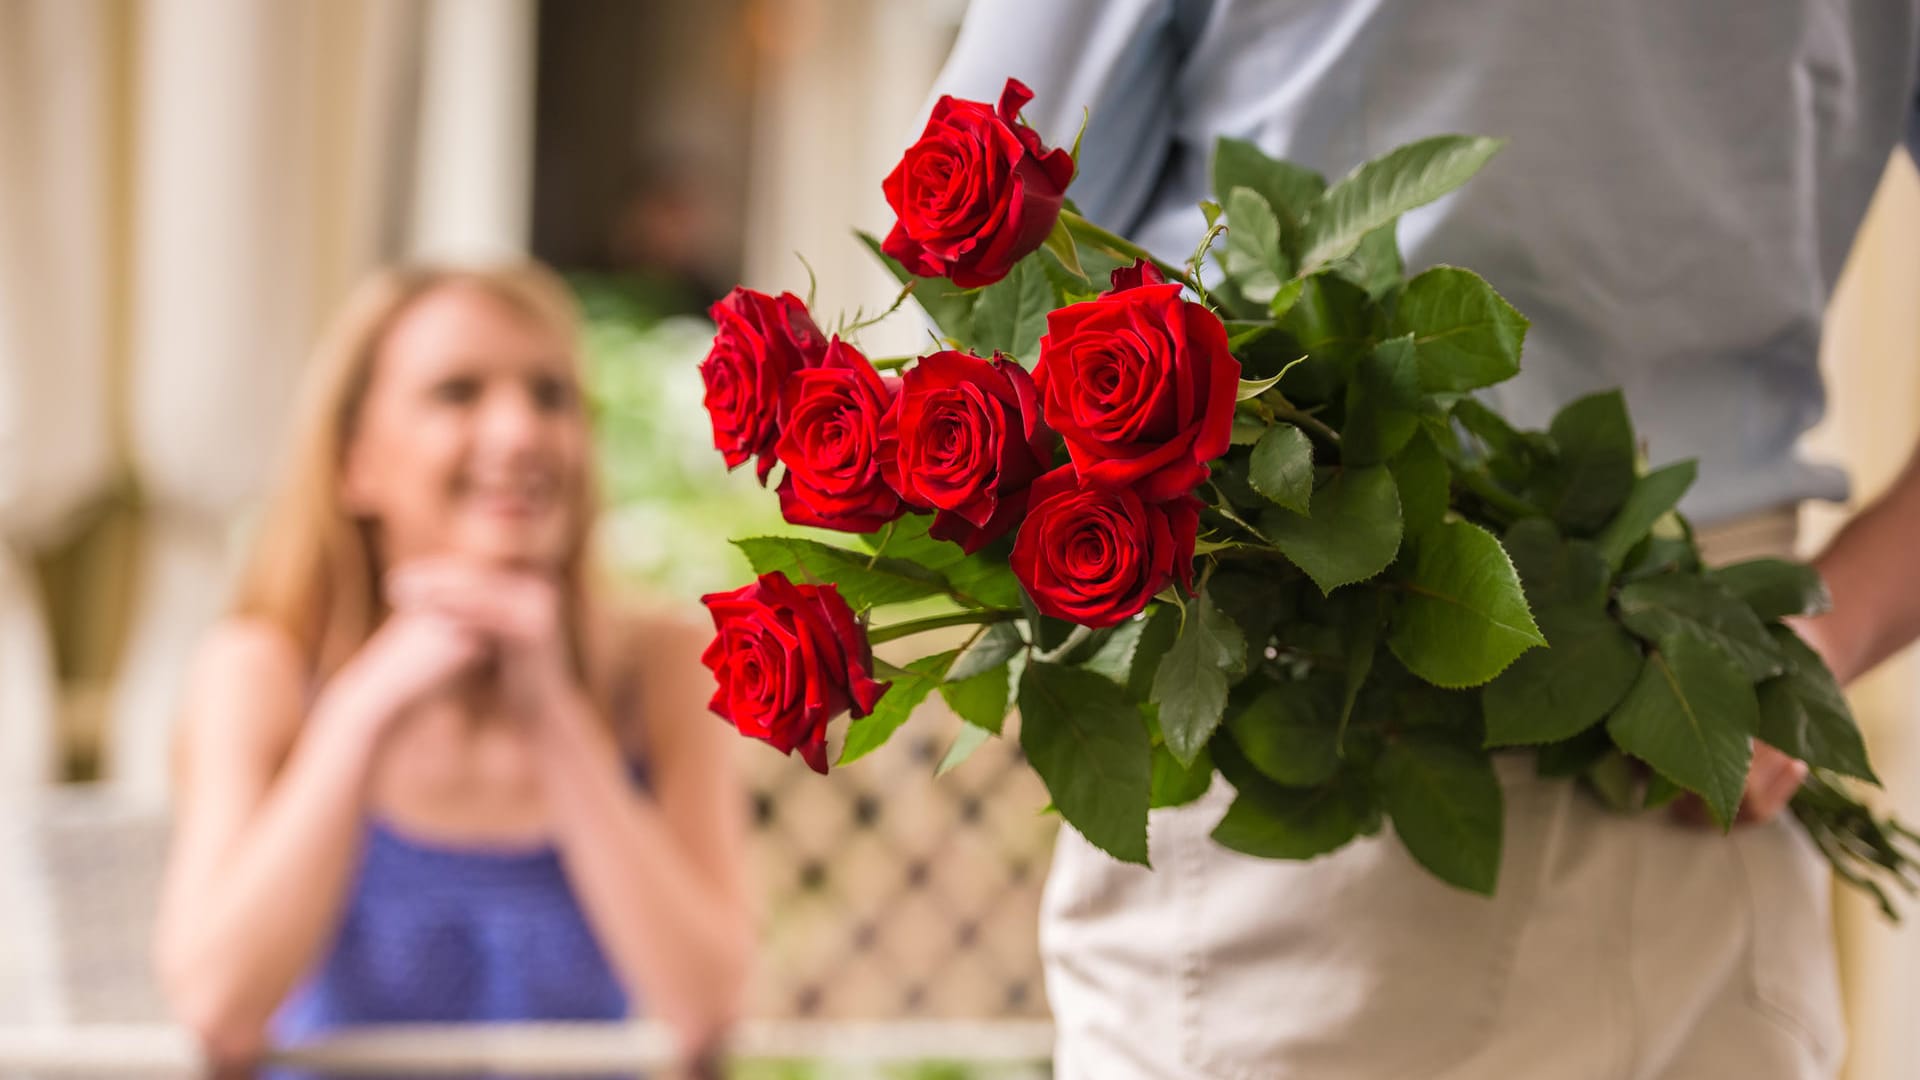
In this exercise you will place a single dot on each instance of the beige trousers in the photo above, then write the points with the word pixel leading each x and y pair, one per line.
pixel 1618 947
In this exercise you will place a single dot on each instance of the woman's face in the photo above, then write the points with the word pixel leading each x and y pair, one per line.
pixel 472 439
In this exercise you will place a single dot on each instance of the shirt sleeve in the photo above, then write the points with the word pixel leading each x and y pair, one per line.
pixel 1117 62
pixel 1913 124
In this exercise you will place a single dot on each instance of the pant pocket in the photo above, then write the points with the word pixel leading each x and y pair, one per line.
pixel 1791 958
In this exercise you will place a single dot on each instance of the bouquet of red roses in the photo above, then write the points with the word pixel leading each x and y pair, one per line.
pixel 1243 515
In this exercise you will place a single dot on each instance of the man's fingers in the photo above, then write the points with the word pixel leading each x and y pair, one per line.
pixel 1775 779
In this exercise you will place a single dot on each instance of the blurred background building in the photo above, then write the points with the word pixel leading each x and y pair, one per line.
pixel 188 187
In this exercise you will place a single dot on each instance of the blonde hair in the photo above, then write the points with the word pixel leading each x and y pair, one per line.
pixel 313 569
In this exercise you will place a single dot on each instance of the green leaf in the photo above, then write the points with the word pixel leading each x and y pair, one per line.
pixel 1659 607
pixel 1044 632
pixel 1618 783
pixel 1594 469
pixel 1060 243
pixel 964 744
pixel 1557 572
pixel 1012 313
pixel 1381 190
pixel 949 306
pixel 1464 617
pixel 1353 534
pixel 1244 332
pixel 887 581
pixel 979 578
pixel 1253 388
pixel 1775 588
pixel 1175 784
pixel 1661 554
pixel 1557 692
pixel 1660 793
pixel 1383 402
pixel 1375 265
pixel 1652 496
pixel 1489 427
pixel 1247 429
pixel 918 679
pixel 1256 599
pixel 1281 467
pixel 980 700
pixel 1253 257
pixel 1803 713
pixel 1358 615
pixel 1289 190
pixel 1467 336
pixel 1446 807
pixel 1113 654
pixel 1090 746
pixel 1156 638
pixel 1290 731
pixel 1574 756
pixel 1690 714
pixel 1422 477
pixel 1271 821
pixel 1288 296
pixel 998 645
pixel 1332 321
pixel 1191 684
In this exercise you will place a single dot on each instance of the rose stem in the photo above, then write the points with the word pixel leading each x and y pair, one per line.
pixel 1082 229
pixel 939 622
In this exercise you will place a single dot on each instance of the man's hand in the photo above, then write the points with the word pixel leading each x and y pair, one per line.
pixel 1772 780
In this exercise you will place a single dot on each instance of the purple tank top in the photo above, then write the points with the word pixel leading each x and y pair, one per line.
pixel 436 933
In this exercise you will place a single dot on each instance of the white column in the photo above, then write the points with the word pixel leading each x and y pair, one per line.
pixel 473 161
pixel 1871 356
pixel 835 108
pixel 224 308
pixel 56 448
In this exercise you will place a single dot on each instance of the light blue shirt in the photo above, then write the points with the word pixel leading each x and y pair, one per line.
pixel 1684 180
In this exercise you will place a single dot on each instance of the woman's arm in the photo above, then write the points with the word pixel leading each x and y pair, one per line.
pixel 269 812
pixel 660 873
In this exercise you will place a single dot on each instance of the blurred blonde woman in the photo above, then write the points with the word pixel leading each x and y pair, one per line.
pixel 425 772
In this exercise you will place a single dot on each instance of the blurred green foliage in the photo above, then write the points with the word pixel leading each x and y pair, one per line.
pixel 670 506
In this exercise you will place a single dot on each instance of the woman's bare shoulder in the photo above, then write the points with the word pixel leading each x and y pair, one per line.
pixel 248 679
pixel 657 642
pixel 655 625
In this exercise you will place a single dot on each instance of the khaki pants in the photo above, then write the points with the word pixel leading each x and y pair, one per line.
pixel 1617 948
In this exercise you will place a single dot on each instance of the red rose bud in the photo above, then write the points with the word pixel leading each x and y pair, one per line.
pixel 1141 273
pixel 833 446
pixel 789 659
pixel 1095 555
pixel 1141 387
pixel 970 444
pixel 761 340
pixel 977 193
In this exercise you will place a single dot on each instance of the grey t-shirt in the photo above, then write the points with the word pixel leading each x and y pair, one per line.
pixel 1683 183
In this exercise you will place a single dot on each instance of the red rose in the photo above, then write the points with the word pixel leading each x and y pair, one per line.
pixel 970 444
pixel 1140 273
pixel 789 659
pixel 1140 385
pixel 833 446
pixel 760 341
pixel 977 193
pixel 1096 555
